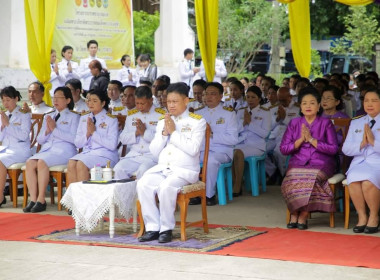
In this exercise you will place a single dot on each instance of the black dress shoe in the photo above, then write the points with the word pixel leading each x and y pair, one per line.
pixel 38 207
pixel 29 207
pixel 238 194
pixel 165 236
pixel 211 201
pixel 149 236
pixel 302 226
pixel 20 192
pixel 195 201
pixel 370 230
pixel 6 190
pixel 4 201
pixel 359 229
pixel 292 225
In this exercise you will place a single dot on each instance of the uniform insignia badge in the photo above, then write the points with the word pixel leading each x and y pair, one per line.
pixel 220 121
pixel 103 125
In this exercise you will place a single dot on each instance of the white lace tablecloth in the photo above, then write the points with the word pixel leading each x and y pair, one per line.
pixel 90 202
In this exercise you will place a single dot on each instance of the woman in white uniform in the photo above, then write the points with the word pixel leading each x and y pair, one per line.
pixel 254 126
pixel 57 139
pixel 97 135
pixel 363 143
pixel 68 69
pixel 14 134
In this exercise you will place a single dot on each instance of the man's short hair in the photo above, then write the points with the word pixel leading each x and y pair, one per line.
pixel 116 82
pixel 39 84
pixel 180 88
pixel 145 81
pixel 142 92
pixel 128 86
pixel 217 85
pixel 92 42
pixel 200 82
pixel 187 51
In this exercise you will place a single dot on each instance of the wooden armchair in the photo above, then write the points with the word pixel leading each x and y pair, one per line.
pixel 187 192
pixel 14 170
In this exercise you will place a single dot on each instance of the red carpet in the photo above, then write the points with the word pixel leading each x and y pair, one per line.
pixel 280 244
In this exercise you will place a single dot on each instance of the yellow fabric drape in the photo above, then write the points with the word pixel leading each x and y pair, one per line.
pixel 40 21
pixel 299 26
pixel 206 16
pixel 355 2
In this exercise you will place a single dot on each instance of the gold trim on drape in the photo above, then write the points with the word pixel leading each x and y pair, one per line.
pixel 40 22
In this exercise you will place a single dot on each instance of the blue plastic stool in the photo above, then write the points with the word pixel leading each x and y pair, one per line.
pixel 254 172
pixel 223 173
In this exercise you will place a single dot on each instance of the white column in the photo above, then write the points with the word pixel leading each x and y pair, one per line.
pixel 172 37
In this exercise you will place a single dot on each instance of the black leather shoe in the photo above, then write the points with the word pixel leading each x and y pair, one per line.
pixel 370 230
pixel 302 226
pixel 211 201
pixel 359 229
pixel 195 201
pixel 149 236
pixel 4 201
pixel 238 194
pixel 29 207
pixel 292 225
pixel 165 236
pixel 6 190
pixel 20 192
pixel 38 207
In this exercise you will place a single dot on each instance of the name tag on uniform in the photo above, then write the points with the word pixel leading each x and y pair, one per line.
pixel 103 125
pixel 134 122
pixel 220 121
pixel 153 122
pixel 358 130
pixel 16 123
pixel 63 122
pixel 186 128
pixel 258 118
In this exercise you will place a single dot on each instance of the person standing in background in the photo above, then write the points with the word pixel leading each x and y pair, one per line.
pixel 127 75
pixel 186 68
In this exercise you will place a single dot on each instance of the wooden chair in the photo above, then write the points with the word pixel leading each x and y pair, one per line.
pixel 335 182
pixel 14 170
pixel 187 192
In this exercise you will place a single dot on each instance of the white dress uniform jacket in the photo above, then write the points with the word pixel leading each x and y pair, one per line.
pixel 85 73
pixel 80 106
pixel 41 108
pixel 139 159
pixel 15 139
pixel 58 146
pixel 64 72
pixel 252 137
pixel 220 71
pixel 102 143
pixel 116 106
pixel 366 162
pixel 240 103
pixel 186 72
pixel 55 80
pixel 123 76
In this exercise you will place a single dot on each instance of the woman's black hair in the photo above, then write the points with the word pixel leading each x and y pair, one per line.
pixel 372 89
pixel 66 48
pixel 102 96
pixel 274 87
pixel 10 92
pixel 67 93
pixel 256 90
pixel 337 95
pixel 75 83
pixel 239 85
pixel 310 91
pixel 124 57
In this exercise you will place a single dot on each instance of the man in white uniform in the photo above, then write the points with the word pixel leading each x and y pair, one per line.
pixel 35 94
pixel 176 144
pixel 137 134
pixel 220 71
pixel 186 68
pixel 83 70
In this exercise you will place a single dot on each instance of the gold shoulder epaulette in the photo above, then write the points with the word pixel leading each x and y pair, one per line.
pixel 85 113
pixel 75 112
pixel 263 108
pixel 195 116
pixel 242 108
pixel 110 115
pixel 273 106
pixel 199 108
pixel 116 109
pixel 227 99
pixel 358 117
pixel 162 117
pixel 132 112
pixel 23 111
pixel 160 110
pixel 228 108
pixel 191 99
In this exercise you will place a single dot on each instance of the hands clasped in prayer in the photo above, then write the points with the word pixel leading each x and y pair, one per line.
pixel 4 120
pixel 247 118
pixel 91 128
pixel 368 138
pixel 281 113
pixel 169 126
pixel 140 128
pixel 50 125
pixel 305 137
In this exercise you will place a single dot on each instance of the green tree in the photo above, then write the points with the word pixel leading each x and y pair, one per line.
pixel 144 26
pixel 315 69
pixel 362 32
pixel 244 27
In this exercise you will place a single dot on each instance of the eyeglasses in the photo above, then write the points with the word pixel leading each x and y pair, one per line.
pixel 57 97
pixel 328 99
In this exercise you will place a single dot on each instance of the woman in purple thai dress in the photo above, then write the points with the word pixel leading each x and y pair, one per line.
pixel 312 143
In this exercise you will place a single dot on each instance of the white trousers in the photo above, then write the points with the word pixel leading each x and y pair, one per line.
pixel 280 160
pixel 166 185
pixel 214 161
pixel 128 167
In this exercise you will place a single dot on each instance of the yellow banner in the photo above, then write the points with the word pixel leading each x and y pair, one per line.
pixel 108 22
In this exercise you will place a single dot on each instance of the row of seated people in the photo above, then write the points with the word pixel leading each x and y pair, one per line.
pixel 97 134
